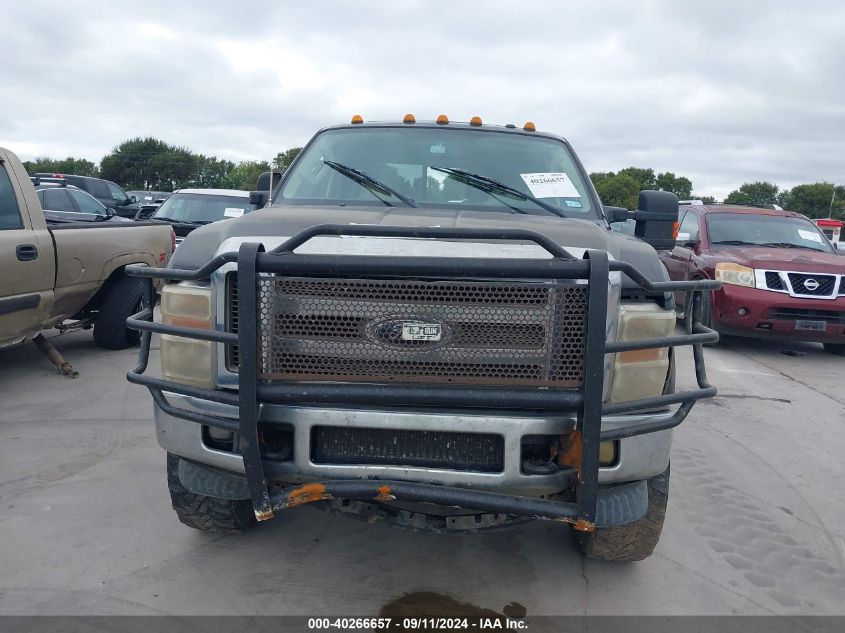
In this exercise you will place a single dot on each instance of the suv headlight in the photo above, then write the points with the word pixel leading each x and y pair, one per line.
pixel 641 373
pixel 729 273
pixel 186 360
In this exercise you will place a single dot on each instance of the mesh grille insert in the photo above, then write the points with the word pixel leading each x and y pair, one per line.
pixel 485 333
pixel 773 281
pixel 810 284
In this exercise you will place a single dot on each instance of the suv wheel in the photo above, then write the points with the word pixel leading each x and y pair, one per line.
pixel 122 300
pixel 634 541
pixel 835 348
pixel 704 313
pixel 201 512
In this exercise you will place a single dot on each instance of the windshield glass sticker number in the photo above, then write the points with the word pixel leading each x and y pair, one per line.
pixel 437 149
pixel 552 185
pixel 232 212
pixel 575 204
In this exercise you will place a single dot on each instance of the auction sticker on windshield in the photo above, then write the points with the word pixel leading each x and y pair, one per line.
pixel 232 212
pixel 552 185
pixel 810 235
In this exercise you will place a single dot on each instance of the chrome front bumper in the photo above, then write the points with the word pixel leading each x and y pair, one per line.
pixel 639 457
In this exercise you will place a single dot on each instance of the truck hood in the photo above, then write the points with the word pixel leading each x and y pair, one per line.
pixel 782 259
pixel 204 242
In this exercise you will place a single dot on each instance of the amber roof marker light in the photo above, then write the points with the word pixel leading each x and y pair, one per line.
pixel 409 118
pixel 529 126
pixel 442 119
pixel 476 120
pixel 357 118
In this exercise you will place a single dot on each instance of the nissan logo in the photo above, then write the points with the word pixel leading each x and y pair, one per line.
pixel 811 284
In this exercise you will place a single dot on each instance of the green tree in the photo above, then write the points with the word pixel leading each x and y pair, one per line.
pixel 599 176
pixel 212 172
pixel 284 159
pixel 814 200
pixel 645 177
pixel 757 193
pixel 679 185
pixel 149 163
pixel 244 174
pixel 70 165
pixel 621 190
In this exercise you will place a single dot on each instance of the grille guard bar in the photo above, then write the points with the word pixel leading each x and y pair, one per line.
pixel 586 402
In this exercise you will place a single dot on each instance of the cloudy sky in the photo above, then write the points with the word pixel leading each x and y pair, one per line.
pixel 720 91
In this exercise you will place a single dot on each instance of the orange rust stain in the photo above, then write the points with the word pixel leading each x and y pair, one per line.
pixel 584 526
pixel 384 494
pixel 307 494
pixel 571 454
pixel 263 516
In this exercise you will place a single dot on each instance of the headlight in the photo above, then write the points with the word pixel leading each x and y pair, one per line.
pixel 641 373
pixel 735 274
pixel 186 360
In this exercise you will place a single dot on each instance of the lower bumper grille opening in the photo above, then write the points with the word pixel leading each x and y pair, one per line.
pixel 790 314
pixel 479 452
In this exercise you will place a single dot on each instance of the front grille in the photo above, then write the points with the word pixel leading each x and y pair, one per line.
pixel 773 281
pixel 791 314
pixel 481 452
pixel 826 284
pixel 492 333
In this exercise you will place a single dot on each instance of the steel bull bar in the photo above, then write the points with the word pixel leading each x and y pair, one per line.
pixel 585 402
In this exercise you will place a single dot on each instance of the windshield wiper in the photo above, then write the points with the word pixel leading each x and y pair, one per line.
pixel 175 221
pixel 791 245
pixel 486 184
pixel 735 243
pixel 368 181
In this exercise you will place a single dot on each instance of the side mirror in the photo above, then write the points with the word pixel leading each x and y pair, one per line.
pixel 617 214
pixel 262 183
pixel 656 218
pixel 259 198
pixel 145 214
pixel 686 240
pixel 133 199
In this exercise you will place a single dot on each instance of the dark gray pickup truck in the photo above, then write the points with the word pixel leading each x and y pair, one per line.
pixel 430 324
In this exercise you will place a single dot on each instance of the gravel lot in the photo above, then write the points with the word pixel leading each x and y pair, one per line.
pixel 756 521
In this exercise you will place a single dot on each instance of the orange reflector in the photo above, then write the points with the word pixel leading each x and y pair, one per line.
pixel 409 118
pixel 529 126
pixel 476 120
pixel 675 228
pixel 442 119
pixel 357 119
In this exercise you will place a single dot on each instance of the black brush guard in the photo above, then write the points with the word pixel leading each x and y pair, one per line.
pixel 585 402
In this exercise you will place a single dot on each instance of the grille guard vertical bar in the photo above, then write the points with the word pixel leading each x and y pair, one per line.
pixel 248 380
pixel 589 416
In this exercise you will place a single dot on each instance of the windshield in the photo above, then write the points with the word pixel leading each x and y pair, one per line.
pixel 411 162
pixel 202 208
pixel 743 229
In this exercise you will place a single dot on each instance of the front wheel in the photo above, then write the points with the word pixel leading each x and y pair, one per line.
pixel 634 541
pixel 703 314
pixel 835 348
pixel 205 513
pixel 122 300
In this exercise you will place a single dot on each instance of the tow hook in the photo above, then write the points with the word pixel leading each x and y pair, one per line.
pixel 54 356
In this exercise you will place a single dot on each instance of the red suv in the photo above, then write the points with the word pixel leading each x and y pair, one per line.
pixel 780 275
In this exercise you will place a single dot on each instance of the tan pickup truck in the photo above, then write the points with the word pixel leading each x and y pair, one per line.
pixel 68 275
